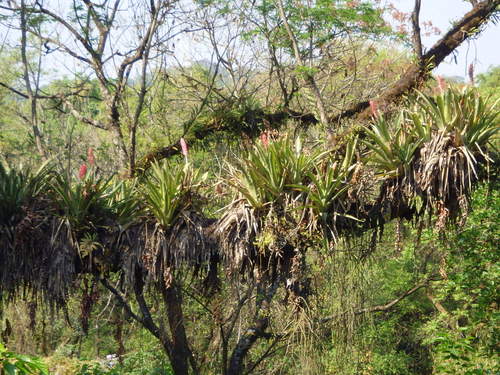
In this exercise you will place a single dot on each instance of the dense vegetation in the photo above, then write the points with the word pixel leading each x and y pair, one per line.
pixel 277 208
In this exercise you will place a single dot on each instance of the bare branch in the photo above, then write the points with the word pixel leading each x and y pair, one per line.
pixel 24 95
pixel 385 307
pixel 309 78
pixel 78 115
pixel 41 9
pixel 61 45
pixel 122 300
pixel 417 40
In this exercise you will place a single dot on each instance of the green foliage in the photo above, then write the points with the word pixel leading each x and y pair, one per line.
pixel 122 201
pixel 83 204
pixel 170 189
pixel 329 183
pixel 270 170
pixel 489 82
pixel 18 364
pixel 96 369
pixel 466 338
pixel 237 116
pixel 145 362
pixel 92 201
pixel 392 145
pixel 272 180
pixel 321 21
pixel 17 187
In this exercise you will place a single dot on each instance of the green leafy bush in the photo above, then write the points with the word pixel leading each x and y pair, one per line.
pixel 18 364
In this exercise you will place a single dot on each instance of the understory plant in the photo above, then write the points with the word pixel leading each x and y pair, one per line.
pixel 463 336
pixel 18 364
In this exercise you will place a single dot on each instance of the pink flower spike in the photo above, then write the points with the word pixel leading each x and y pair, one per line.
pixel 471 73
pixel 83 171
pixel 264 139
pixel 184 147
pixel 90 156
pixel 374 108
pixel 441 84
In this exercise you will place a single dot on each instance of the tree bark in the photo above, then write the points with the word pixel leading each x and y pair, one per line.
pixel 266 290
pixel 180 354
pixel 271 120
pixel 244 344
pixel 417 40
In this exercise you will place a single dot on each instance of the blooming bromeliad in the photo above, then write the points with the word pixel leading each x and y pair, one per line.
pixel 82 172
pixel 184 147
pixel 90 156
pixel 374 108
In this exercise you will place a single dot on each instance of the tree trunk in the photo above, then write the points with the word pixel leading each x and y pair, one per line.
pixel 179 352
pixel 244 344
pixel 32 94
pixel 112 103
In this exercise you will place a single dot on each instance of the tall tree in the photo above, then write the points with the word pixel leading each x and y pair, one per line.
pixel 103 41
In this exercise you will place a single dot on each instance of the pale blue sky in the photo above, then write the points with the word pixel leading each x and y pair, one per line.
pixel 483 51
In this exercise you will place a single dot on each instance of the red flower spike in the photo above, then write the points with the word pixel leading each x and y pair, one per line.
pixel 83 171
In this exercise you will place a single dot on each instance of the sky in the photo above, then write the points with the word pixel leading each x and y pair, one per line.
pixel 484 51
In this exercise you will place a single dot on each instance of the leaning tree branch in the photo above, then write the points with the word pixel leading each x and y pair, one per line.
pixel 122 300
pixel 470 25
pixel 260 121
pixel 416 74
